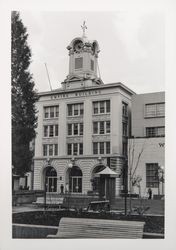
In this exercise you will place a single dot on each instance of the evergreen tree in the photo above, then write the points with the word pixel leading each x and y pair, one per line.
pixel 24 118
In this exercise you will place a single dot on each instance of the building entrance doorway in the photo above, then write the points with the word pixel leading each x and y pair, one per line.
pixel 74 176
pixel 51 180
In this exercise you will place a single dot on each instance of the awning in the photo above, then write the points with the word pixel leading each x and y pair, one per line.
pixel 107 171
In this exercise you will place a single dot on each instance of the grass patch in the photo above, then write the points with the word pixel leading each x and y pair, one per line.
pixel 153 224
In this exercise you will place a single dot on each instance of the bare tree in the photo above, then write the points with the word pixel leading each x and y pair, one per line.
pixel 133 163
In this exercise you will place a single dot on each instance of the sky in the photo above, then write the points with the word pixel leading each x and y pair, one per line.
pixel 131 46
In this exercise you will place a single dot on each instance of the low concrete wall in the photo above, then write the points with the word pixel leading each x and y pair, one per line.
pixel 23 197
pixel 32 231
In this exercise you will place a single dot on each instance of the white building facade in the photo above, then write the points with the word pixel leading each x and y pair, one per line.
pixel 85 125
pixel 146 148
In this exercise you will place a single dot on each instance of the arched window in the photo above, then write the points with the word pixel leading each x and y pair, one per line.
pixel 75 180
pixel 51 179
pixel 96 180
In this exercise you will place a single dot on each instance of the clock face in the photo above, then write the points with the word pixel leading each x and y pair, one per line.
pixel 78 46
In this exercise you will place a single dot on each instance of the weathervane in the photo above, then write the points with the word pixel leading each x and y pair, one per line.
pixel 84 27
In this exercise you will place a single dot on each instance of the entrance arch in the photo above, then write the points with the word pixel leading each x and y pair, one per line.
pixel 50 179
pixel 74 177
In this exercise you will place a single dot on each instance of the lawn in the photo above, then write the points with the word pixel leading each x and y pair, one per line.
pixel 153 224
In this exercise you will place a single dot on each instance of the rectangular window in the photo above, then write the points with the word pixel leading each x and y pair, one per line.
pixel 75 109
pixel 155 131
pixel 108 148
pixel 44 150
pixel 124 109
pixel 69 129
pixel 51 112
pixel 155 110
pixel 75 148
pixel 78 63
pixel 45 131
pixel 108 107
pixel 81 129
pixel 81 108
pixel 46 112
pixel 152 175
pixel 70 110
pixel 57 111
pixel 56 130
pixel 108 127
pixel 125 129
pixel 101 147
pixel 51 131
pixel 102 128
pixel 50 149
pixel 69 149
pixel 102 107
pixel 95 107
pixel 81 148
pixel 95 148
pixel 75 128
pixel 95 127
pixel 55 149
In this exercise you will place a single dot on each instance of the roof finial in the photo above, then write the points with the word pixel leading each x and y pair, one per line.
pixel 84 27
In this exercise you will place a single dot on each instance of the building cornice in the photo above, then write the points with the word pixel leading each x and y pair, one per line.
pixel 104 86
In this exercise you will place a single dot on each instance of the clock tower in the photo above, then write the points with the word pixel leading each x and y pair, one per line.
pixel 83 63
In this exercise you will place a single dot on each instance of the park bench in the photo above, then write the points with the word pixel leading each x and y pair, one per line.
pixel 98 228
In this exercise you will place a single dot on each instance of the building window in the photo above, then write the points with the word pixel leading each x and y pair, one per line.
pixel 44 150
pixel 50 130
pixel 125 128
pixel 102 127
pixel 75 148
pixel 152 175
pixel 51 112
pixel 155 131
pixel 75 129
pixel 69 149
pixel 108 106
pixel 124 109
pixel 155 110
pixel 78 63
pixel 95 107
pixel 95 148
pixel 95 127
pixel 108 127
pixel 108 147
pixel 75 109
pixel 101 148
pixel 81 129
pixel 50 149
pixel 101 107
